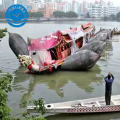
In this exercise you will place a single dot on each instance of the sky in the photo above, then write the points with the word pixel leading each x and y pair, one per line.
pixel 116 2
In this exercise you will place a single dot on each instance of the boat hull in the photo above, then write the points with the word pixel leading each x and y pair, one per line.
pixel 91 105
pixel 104 109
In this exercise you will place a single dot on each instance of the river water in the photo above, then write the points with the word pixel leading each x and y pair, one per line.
pixel 61 85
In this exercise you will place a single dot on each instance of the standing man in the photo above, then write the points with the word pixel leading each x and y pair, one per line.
pixel 108 87
pixel 87 38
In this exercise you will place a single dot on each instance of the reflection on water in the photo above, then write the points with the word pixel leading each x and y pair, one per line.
pixel 57 80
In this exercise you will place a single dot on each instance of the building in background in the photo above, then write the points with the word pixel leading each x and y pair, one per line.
pixel 102 9
pixel 6 4
pixel 75 6
pixel 21 2
pixel 98 9
pixel 64 6
pixel 1 7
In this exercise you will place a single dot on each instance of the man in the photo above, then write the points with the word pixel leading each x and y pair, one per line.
pixel 87 38
pixel 108 87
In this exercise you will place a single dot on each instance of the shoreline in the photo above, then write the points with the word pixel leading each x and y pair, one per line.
pixel 60 19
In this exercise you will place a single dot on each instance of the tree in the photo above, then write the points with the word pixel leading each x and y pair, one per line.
pixel 47 0
pixel 2 15
pixel 118 16
pixel 36 14
pixel 58 0
pixel 59 14
pixel 5 87
pixel 3 32
pixel 105 18
pixel 112 17
pixel 88 15
pixel 71 14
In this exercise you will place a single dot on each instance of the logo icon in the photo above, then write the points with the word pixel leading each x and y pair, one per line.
pixel 16 15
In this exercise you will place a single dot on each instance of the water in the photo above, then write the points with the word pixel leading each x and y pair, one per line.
pixel 62 85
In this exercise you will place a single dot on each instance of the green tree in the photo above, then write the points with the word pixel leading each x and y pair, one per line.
pixel 5 87
pixel 36 14
pixel 112 17
pixel 105 18
pixel 2 15
pixel 71 14
pixel 59 14
pixel 47 0
pixel 88 15
pixel 118 16
pixel 58 0
pixel 3 32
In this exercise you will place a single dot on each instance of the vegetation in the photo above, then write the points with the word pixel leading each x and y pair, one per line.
pixel 71 14
pixel 112 17
pixel 105 18
pixel 2 15
pixel 59 14
pixel 58 0
pixel 3 32
pixel 35 15
pixel 40 106
pixel 5 87
pixel 88 15
pixel 118 17
pixel 47 0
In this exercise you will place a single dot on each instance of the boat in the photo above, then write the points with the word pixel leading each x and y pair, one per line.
pixel 91 105
pixel 50 52
pixel 61 50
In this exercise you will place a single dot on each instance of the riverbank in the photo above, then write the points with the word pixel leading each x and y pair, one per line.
pixel 34 20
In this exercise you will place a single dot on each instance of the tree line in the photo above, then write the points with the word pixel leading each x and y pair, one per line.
pixel 60 14
pixel 57 14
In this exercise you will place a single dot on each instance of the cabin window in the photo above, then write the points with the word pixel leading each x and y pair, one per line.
pixel 65 46
pixel 53 54
pixel 68 46
pixel 62 48
pixel 79 42
pixel 66 36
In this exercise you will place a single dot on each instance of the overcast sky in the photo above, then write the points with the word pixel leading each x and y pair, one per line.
pixel 116 2
pixel 0 1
